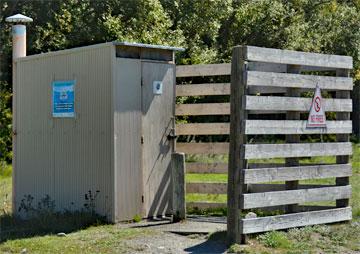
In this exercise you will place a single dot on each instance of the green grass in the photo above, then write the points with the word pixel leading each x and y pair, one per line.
pixel 99 239
pixel 5 188
pixel 206 178
pixel 338 238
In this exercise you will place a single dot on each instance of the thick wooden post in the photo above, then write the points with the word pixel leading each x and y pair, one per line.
pixel 237 162
pixel 178 178
pixel 340 181
pixel 294 138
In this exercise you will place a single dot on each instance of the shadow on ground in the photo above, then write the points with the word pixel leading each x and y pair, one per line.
pixel 216 243
pixel 12 227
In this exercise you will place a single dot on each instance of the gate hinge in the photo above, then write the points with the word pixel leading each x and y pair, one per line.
pixel 142 140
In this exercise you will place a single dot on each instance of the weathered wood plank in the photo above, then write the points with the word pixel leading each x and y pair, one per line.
pixel 267 127
pixel 209 168
pixel 202 148
pixel 262 224
pixel 267 67
pixel 213 205
pixel 262 151
pixel 220 89
pixel 266 187
pixel 208 188
pixel 263 90
pixel 202 109
pixel 203 89
pixel 290 80
pixel 220 188
pixel 264 165
pixel 276 67
pixel 221 168
pixel 275 198
pixel 297 58
pixel 205 205
pixel 198 109
pixel 203 129
pixel 202 70
pixel 259 175
pixel 294 104
pixel 178 184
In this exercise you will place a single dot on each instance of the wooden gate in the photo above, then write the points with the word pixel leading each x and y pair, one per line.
pixel 262 69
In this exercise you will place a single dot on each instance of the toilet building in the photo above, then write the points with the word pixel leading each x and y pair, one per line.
pixel 98 118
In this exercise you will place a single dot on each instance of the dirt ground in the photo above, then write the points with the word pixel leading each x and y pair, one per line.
pixel 195 235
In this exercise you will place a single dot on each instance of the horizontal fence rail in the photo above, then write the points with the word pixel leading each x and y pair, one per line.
pixel 265 127
pixel 203 168
pixel 263 151
pixel 202 70
pixel 203 89
pixel 285 80
pixel 259 175
pixel 203 148
pixel 200 109
pixel 203 129
pixel 256 225
pixel 206 188
pixel 294 104
pixel 268 127
pixel 275 198
pixel 205 205
pixel 289 57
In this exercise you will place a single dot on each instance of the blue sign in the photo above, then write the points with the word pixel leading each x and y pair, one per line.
pixel 63 98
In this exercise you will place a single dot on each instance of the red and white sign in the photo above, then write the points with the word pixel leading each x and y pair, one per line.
pixel 317 118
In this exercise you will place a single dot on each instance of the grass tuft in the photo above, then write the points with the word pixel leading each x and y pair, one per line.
pixel 275 239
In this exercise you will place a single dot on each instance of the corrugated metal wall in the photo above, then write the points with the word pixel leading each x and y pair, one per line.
pixel 65 157
pixel 127 128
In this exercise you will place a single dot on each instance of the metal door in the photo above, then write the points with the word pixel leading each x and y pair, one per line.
pixel 158 84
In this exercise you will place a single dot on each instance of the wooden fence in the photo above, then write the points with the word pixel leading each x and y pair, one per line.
pixel 263 69
pixel 220 128
pixel 213 128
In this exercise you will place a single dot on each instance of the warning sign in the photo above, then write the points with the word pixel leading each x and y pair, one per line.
pixel 317 118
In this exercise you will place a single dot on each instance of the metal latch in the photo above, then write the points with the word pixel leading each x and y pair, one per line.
pixel 172 135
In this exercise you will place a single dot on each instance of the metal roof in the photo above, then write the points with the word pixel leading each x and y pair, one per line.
pixel 142 45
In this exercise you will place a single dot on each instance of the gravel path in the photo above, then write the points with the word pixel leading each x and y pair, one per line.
pixel 165 242
pixel 195 235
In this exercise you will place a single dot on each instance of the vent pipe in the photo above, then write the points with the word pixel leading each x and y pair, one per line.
pixel 18 34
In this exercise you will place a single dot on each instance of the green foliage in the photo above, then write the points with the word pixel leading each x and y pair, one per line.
pixel 207 29
pixel 5 122
pixel 275 239
pixel 5 170
pixel 237 248
pixel 137 218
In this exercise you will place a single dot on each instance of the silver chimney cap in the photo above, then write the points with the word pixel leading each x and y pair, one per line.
pixel 18 18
